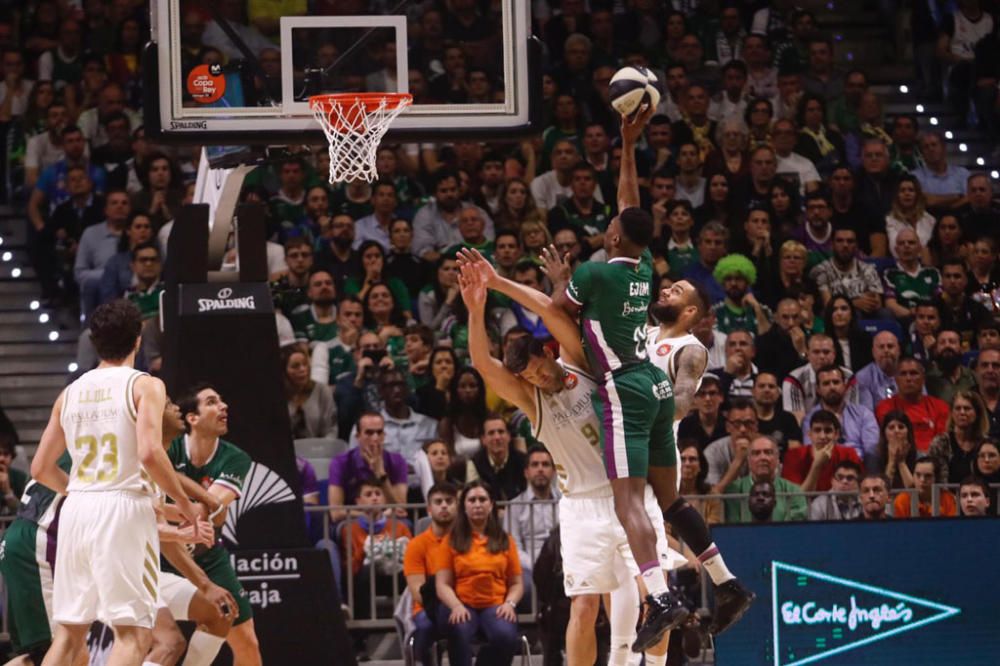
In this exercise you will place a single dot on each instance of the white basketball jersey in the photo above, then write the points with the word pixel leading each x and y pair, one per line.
pixel 98 417
pixel 663 353
pixel 569 428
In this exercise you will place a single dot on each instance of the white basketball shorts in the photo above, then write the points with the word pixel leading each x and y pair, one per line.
pixel 108 560
pixel 176 593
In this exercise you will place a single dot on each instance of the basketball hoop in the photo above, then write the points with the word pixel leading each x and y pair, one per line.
pixel 354 124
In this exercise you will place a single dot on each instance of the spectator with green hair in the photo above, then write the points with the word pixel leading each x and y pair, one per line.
pixel 739 310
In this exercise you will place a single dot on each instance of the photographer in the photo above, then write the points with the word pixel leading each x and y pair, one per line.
pixel 359 392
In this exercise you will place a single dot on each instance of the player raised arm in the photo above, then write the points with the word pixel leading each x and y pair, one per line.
pixel 628 176
pixel 507 385
pixel 691 363
pixel 151 398
pixel 559 324
pixel 52 444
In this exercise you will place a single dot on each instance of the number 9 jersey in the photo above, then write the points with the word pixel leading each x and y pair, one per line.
pixel 99 418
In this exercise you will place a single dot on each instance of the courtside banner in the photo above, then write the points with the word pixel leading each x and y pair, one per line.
pixel 921 591
pixel 236 298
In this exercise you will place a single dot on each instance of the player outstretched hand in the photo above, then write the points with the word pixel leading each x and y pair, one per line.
pixel 221 599
pixel 473 286
pixel 470 259
pixel 633 126
pixel 555 267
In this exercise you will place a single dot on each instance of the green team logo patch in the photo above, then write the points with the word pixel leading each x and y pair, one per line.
pixel 817 616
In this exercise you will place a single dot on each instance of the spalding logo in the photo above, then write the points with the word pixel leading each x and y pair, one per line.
pixel 570 380
pixel 663 350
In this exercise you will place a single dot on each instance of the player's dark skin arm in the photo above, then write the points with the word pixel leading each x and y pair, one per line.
pixel 691 363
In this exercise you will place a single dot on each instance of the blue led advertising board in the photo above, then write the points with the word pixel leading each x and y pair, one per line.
pixel 893 592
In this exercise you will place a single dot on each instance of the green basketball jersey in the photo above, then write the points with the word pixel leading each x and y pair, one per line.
pixel 614 298
pixel 911 289
pixel 147 301
pixel 305 325
pixel 37 500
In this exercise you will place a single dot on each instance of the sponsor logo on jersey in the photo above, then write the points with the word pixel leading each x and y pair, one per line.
pixel 663 350
pixel 570 381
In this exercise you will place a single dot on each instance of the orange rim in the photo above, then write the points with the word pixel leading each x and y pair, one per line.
pixel 355 117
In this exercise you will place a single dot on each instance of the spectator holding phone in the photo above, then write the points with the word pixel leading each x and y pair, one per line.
pixel 358 391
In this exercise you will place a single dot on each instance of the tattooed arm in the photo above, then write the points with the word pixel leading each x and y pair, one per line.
pixel 691 363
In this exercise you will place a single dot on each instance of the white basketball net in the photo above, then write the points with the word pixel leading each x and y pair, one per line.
pixel 354 130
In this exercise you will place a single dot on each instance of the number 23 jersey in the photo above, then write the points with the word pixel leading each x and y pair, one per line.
pixel 566 424
pixel 99 419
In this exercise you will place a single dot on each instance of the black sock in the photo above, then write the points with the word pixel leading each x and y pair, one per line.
pixel 689 525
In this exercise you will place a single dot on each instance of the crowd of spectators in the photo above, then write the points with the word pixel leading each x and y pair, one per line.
pixel 854 342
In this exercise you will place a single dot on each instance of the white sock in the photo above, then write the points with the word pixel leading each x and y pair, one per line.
pixel 656 659
pixel 716 567
pixel 654 579
pixel 203 648
pixel 623 617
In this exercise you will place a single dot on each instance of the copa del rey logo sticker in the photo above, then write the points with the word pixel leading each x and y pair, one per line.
pixel 817 616
pixel 570 380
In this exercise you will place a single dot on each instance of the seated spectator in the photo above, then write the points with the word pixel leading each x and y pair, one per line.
pixel 727 456
pixel 432 397
pixel 418 565
pixel 97 245
pixel 928 414
pixel 357 391
pixel 472 229
pixel 679 253
pixel 955 448
pixel 315 320
pixel 528 274
pixel 117 276
pixel 845 274
pixel 783 347
pixel 376 227
pixel 812 466
pixel 406 430
pixel 331 364
pixel 162 192
pixel 517 206
pixel 740 309
pixel 434 463
pixel 897 450
pixel 980 215
pixel 534 237
pixel 925 474
pixel 909 282
pixel 763 466
pixel 761 502
pixel 771 418
pixel 857 427
pixel 836 505
pixel 974 497
pixel 957 308
pixel 289 290
pixel 307 480
pixel 50 190
pixel 417 346
pixel 582 211
pixel 497 462
pixel 385 316
pixel 909 211
pixel 877 380
pixel 793 167
pixel 816 232
pixel 530 525
pixel 692 472
pixel 712 242
pixel 373 266
pixel 705 423
pixel 943 183
pixel 334 252
pixel 874 494
pixel 987 464
pixel 736 378
pixel 799 388
pixel 435 226
pixel 946 375
pixel 401 264
pixel 311 408
pixel 57 243
pixel 373 544
pixel 44 148
pixel 853 346
pixel 93 121
pixel 478 581
pixel 440 299
pixel 369 460
pixel 817 142
pixel 465 413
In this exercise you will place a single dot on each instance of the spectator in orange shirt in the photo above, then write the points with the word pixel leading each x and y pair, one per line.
pixel 811 466
pixel 377 543
pixel 478 580
pixel 418 563
pixel 924 475
pixel 929 415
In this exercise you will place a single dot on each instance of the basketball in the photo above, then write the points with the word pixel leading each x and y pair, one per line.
pixel 629 89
